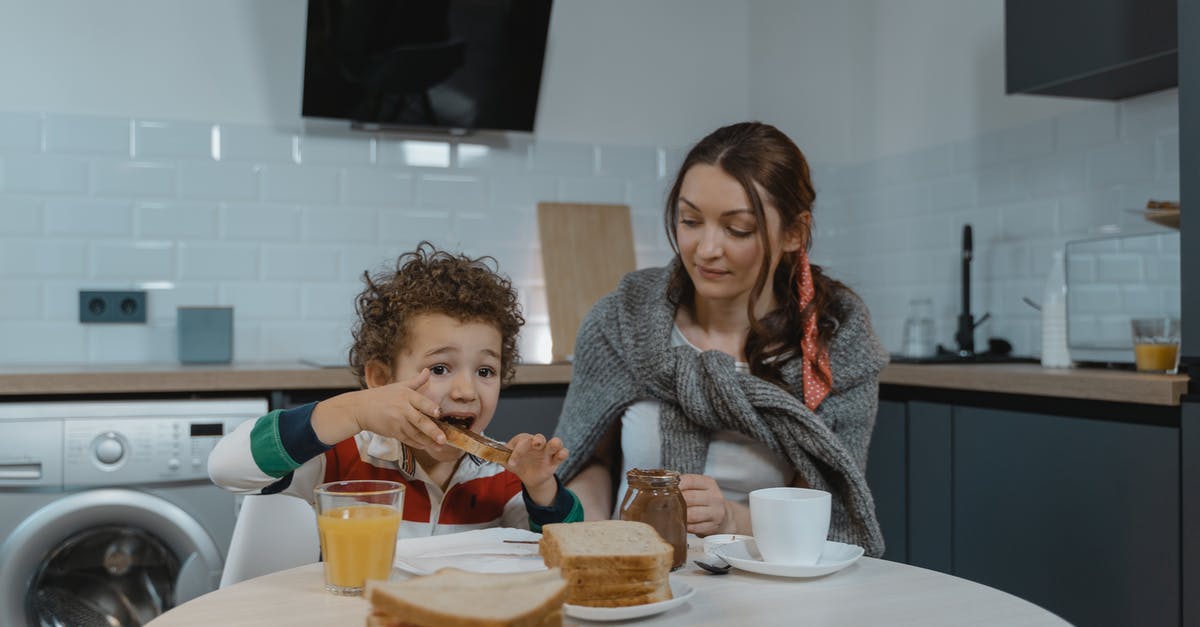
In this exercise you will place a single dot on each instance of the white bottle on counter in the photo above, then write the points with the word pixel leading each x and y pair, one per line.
pixel 1054 316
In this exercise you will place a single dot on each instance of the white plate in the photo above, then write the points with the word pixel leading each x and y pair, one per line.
pixel 481 551
pixel 680 593
pixel 834 557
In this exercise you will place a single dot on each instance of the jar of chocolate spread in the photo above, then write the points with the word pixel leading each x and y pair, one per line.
pixel 654 498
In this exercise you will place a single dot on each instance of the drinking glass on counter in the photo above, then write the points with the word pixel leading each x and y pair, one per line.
pixel 358 522
pixel 1156 345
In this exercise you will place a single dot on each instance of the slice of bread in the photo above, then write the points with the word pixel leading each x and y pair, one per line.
pixel 456 598
pixel 612 591
pixel 474 443
pixel 605 544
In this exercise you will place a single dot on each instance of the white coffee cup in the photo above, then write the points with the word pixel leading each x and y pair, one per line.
pixel 790 524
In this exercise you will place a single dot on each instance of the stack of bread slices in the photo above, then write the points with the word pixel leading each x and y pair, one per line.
pixel 609 563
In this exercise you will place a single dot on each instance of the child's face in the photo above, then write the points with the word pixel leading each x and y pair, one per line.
pixel 463 359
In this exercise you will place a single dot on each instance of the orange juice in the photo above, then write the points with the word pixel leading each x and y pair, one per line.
pixel 358 543
pixel 1155 357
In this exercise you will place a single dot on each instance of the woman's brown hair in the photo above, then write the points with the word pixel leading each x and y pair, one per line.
pixel 759 155
pixel 432 281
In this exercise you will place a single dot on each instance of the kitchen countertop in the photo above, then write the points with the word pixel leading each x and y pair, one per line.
pixel 1031 379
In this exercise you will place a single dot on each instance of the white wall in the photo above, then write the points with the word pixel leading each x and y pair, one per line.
pixel 618 71
pixel 860 79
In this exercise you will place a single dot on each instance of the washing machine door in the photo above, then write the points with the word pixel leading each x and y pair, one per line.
pixel 106 557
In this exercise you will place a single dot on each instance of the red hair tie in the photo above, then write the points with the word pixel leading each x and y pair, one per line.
pixel 815 360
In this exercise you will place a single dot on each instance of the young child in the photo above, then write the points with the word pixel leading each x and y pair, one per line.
pixel 435 338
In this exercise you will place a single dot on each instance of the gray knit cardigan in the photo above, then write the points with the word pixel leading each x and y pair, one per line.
pixel 623 354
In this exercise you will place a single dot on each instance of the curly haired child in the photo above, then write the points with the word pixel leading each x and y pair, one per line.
pixel 435 338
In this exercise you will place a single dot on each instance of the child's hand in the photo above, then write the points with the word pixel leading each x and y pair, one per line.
pixel 399 410
pixel 396 410
pixel 534 461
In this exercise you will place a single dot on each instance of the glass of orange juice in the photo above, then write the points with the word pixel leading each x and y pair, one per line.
pixel 1156 345
pixel 358 522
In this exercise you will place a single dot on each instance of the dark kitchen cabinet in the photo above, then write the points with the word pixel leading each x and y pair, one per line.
pixel 1080 516
pixel 1106 49
pixel 887 475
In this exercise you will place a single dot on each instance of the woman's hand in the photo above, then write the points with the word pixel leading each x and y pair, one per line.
pixel 534 461
pixel 707 510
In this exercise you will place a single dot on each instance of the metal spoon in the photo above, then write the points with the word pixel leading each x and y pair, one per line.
pixel 717 566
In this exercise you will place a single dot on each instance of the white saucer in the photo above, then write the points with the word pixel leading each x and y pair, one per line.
pixel 744 555
pixel 680 593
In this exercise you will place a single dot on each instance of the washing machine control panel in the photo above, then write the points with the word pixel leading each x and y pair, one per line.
pixel 140 450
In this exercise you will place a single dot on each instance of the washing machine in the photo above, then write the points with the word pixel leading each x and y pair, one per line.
pixel 107 515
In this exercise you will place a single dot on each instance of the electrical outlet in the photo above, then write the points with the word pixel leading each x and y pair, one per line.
pixel 112 306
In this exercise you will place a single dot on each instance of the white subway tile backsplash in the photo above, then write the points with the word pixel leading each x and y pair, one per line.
pixel 336 150
pixel 46 174
pixel 1084 128
pixel 1167 149
pixel 20 215
pixel 21 301
pixel 133 179
pixel 119 343
pixel 511 156
pixel 28 257
pixel 176 220
pixel 299 263
pixel 647 195
pixel 1121 163
pixel 257 144
pixel 591 190
pixel 1004 146
pixel 209 261
pixel 1052 175
pixel 521 191
pixel 77 134
pixel 314 340
pixel 1028 220
pixel 218 181
pixel 88 217
pixel 282 226
pixel 342 224
pixel 484 229
pixel 412 153
pixel 162 304
pixel 20 132
pixel 1149 114
pixel 377 186
pixel 262 301
pixel 563 158
pixel 312 185
pixel 634 162
pixel 466 193
pixel 133 261
pixel 164 140
pixel 409 227
pixel 333 301
pixel 255 222
pixel 37 342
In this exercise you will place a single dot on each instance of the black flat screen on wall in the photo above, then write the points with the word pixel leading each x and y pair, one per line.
pixel 431 64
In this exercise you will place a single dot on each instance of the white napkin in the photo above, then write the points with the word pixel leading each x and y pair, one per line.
pixel 481 551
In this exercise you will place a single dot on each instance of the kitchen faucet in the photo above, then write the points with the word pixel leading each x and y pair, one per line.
pixel 965 336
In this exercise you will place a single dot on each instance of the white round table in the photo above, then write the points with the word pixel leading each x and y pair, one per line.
pixel 869 592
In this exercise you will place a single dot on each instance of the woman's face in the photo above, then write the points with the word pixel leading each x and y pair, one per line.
pixel 717 233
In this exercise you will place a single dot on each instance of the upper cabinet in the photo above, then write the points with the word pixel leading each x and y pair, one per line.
pixel 1104 49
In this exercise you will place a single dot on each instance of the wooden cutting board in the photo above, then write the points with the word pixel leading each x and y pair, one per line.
pixel 586 249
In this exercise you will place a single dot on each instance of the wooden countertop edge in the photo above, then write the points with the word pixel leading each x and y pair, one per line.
pixel 1027 379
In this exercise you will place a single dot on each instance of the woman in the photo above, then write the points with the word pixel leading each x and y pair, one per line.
pixel 740 364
